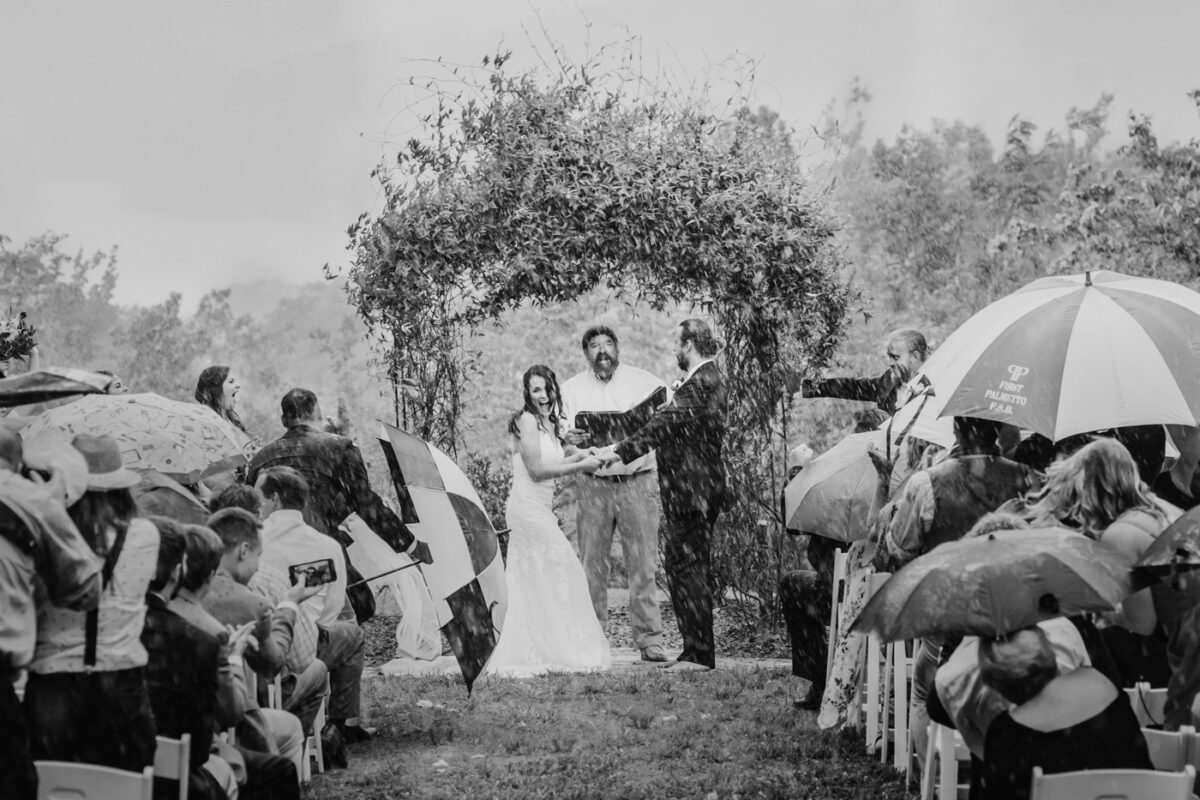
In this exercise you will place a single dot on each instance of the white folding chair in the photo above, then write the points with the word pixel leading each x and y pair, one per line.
pixel 878 681
pixel 1149 705
pixel 312 745
pixel 1169 749
pixel 275 693
pixel 947 746
pixel 902 667
pixel 172 760
pixel 841 561
pixel 63 780
pixel 1113 784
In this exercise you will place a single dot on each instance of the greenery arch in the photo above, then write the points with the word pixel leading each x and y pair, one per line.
pixel 542 185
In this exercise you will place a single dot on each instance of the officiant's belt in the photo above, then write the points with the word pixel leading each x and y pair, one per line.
pixel 621 478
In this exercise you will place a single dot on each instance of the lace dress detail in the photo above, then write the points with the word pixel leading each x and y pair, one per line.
pixel 550 625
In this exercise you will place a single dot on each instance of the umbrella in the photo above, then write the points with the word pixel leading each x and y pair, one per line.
pixel 50 384
pixel 466 579
pixel 995 584
pixel 832 496
pixel 187 441
pixel 1176 549
pixel 1076 353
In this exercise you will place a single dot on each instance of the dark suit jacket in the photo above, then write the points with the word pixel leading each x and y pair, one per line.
pixel 882 390
pixel 337 483
pixel 181 677
pixel 234 604
pixel 687 434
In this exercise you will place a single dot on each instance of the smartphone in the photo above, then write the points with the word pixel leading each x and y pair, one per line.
pixel 315 572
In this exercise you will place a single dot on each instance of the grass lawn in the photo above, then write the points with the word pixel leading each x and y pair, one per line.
pixel 627 734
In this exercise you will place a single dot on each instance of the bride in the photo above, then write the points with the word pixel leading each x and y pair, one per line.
pixel 550 624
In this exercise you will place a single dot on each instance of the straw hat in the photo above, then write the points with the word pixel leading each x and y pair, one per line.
pixel 103 456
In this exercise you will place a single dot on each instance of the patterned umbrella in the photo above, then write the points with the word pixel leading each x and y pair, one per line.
pixel 50 384
pixel 1076 353
pixel 184 440
pixel 996 584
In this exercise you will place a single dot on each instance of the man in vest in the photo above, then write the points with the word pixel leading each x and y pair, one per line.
pixel 939 505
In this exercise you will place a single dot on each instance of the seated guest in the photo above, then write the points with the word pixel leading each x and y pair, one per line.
pixel 304 678
pixel 182 674
pixel 286 541
pixel 1061 722
pixel 39 546
pixel 86 696
pixel 287 639
pixel 1097 490
pixel 158 495
pixel 258 730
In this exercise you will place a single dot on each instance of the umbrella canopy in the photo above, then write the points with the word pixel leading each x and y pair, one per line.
pixel 1076 353
pixel 995 584
pixel 184 440
pixel 1176 549
pixel 50 384
pixel 832 496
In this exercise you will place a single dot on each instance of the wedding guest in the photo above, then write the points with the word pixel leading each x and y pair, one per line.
pixel 39 545
pixel 182 672
pixel 906 350
pixel 159 495
pixel 1060 722
pixel 287 540
pixel 86 696
pixel 940 504
pixel 620 497
pixel 1098 491
pixel 335 478
pixel 218 389
pixel 806 599
pixel 287 638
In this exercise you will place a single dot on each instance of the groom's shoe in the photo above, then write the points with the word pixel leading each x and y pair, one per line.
pixel 687 666
pixel 654 652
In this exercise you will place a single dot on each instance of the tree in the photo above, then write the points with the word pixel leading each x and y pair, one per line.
pixel 539 187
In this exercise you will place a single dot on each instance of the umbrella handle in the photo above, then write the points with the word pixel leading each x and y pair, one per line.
pixel 381 575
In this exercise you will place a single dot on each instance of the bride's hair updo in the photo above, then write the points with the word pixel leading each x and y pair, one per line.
pixel 556 409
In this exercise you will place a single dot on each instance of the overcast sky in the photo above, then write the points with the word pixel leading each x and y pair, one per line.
pixel 216 142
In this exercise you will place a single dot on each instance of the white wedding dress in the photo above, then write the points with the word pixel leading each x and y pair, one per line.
pixel 550 625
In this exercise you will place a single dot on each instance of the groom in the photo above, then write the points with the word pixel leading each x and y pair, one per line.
pixel 687 434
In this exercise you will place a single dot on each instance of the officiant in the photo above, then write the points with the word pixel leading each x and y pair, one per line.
pixel 621 497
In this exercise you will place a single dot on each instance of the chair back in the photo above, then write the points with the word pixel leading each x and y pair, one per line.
pixel 1168 749
pixel 64 780
pixel 173 760
pixel 1113 784
pixel 1149 705
pixel 841 561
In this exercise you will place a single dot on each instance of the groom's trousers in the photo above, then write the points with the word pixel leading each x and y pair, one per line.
pixel 687 560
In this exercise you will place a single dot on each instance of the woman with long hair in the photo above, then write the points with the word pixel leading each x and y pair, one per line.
pixel 218 389
pixel 86 699
pixel 550 623
pixel 1099 492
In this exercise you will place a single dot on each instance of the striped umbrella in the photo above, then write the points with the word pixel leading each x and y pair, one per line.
pixel 1076 353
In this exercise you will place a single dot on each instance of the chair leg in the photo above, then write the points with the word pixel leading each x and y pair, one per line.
pixel 884 708
pixel 927 781
pixel 947 764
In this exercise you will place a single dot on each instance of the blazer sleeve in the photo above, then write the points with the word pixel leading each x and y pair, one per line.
pixel 869 390
pixel 370 506
pixel 692 402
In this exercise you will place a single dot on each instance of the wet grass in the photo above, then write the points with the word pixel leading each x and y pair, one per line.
pixel 639 735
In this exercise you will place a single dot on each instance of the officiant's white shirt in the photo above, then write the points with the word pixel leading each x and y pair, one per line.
pixel 627 387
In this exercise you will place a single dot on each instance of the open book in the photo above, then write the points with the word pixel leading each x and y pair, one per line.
pixel 609 427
